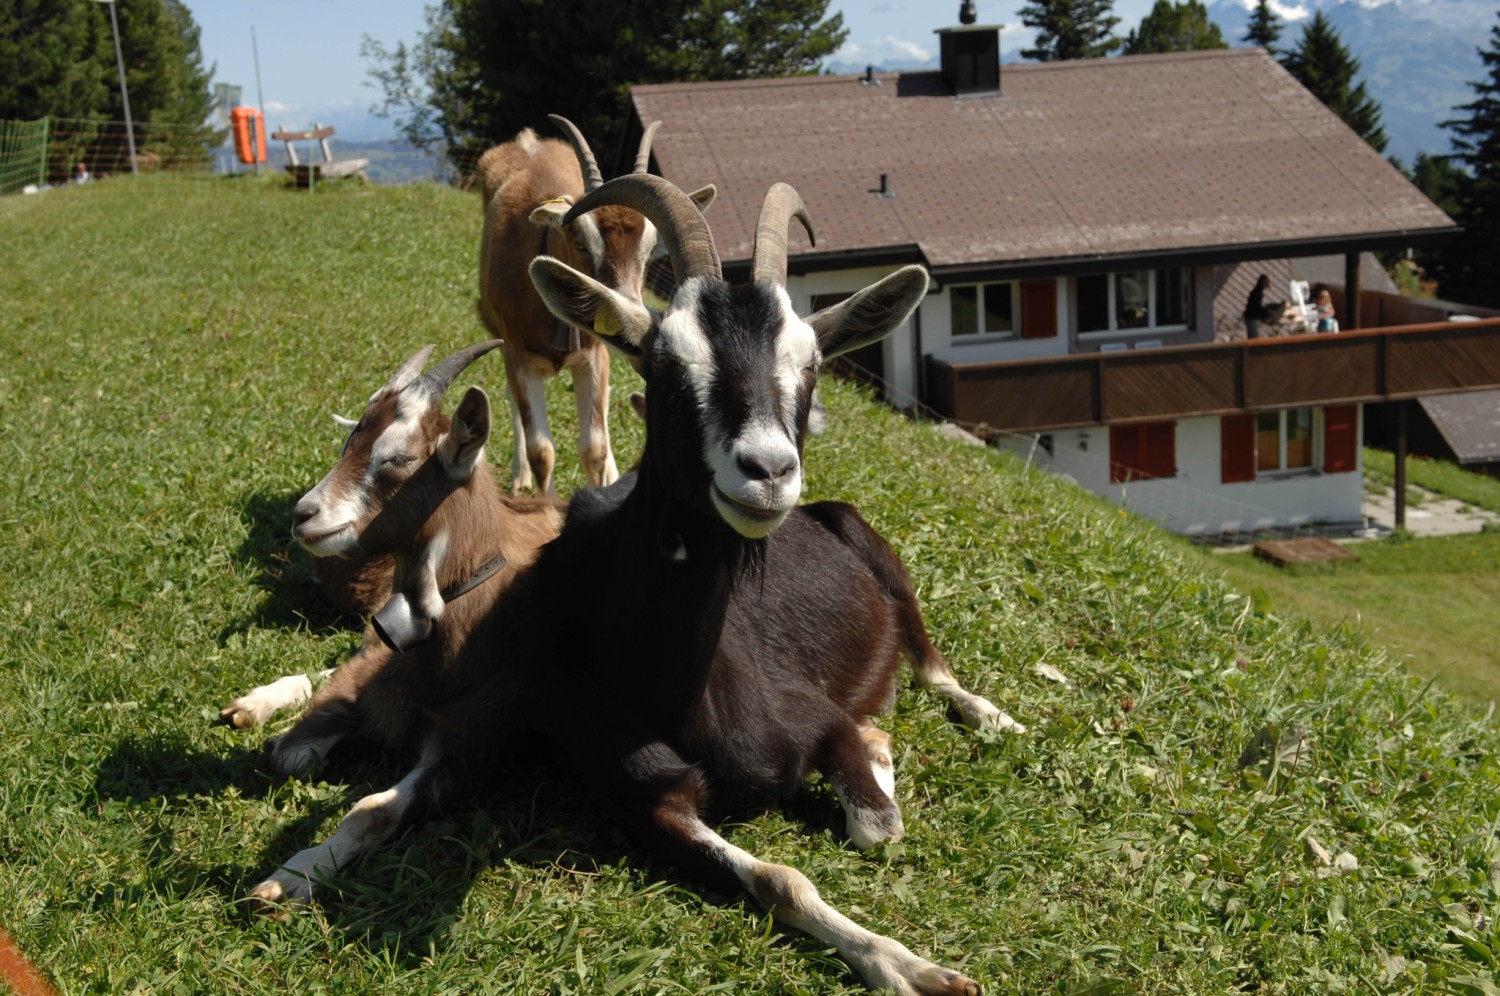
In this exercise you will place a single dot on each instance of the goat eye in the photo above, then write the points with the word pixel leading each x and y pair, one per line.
pixel 661 362
pixel 400 462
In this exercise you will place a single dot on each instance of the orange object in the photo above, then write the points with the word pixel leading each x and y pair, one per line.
pixel 249 134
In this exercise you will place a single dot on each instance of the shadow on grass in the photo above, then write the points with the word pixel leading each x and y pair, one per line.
pixel 402 899
pixel 293 598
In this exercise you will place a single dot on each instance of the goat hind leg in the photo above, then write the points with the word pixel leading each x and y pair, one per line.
pixel 531 464
pixel 975 711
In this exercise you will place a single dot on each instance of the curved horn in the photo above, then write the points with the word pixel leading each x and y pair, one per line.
pixel 643 157
pixel 674 214
pixel 592 178
pixel 439 377
pixel 410 370
pixel 768 260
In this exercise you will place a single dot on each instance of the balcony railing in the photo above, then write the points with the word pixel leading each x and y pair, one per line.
pixel 1386 364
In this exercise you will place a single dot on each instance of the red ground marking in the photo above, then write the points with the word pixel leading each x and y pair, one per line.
pixel 18 973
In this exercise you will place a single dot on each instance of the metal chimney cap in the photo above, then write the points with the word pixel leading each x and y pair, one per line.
pixel 967 12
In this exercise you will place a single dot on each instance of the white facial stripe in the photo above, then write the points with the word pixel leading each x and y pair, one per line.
pixel 397 437
pixel 647 247
pixel 588 229
pixel 796 350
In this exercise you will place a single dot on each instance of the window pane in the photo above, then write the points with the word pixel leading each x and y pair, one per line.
pixel 1299 438
pixel 964 302
pixel 1268 441
pixel 1172 297
pixel 1093 304
pixel 1132 303
pixel 997 313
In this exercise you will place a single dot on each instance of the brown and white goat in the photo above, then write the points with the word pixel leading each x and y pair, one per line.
pixel 411 484
pixel 529 184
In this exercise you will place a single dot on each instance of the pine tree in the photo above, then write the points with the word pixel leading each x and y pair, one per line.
pixel 1174 27
pixel 1321 63
pixel 1264 28
pixel 484 69
pixel 1070 29
pixel 1470 263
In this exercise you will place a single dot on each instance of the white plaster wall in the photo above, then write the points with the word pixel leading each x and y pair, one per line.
pixel 900 368
pixel 1196 501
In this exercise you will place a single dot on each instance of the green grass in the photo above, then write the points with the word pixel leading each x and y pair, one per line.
pixel 174 361
pixel 1438 476
pixel 1431 600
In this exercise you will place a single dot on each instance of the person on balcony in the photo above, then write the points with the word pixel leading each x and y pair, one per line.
pixel 1257 312
pixel 1324 310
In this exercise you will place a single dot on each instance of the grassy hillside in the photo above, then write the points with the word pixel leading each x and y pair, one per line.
pixel 1186 815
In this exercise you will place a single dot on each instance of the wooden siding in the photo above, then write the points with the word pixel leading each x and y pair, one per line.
pixel 1218 378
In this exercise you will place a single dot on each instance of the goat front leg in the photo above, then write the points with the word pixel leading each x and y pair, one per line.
pixel 264 701
pixel 371 822
pixel 672 792
pixel 591 395
pixel 857 760
pixel 676 828
pixel 531 464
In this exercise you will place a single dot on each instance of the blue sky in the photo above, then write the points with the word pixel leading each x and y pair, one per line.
pixel 311 69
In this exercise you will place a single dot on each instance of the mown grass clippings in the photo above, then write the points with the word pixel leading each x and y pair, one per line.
pixel 177 364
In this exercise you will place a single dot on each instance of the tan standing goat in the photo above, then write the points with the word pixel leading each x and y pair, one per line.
pixel 529 184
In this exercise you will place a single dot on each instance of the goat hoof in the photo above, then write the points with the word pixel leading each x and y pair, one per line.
pixel 271 899
pixel 237 716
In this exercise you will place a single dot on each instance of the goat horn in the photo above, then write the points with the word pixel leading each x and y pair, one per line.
pixel 676 217
pixel 643 157
pixel 768 261
pixel 441 376
pixel 592 178
pixel 410 370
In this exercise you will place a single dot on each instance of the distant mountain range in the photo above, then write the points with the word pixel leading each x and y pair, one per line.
pixel 1417 57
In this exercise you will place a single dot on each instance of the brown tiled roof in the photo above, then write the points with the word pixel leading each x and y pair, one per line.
pixel 1073 161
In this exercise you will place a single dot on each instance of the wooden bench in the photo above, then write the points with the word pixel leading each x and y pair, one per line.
pixel 329 168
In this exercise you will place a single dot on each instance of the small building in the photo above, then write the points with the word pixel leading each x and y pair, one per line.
pixel 1093 229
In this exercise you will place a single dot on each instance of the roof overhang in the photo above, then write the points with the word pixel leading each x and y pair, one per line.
pixel 1074 265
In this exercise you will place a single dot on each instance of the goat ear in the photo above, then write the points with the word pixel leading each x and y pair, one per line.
pixel 550 214
pixel 638 404
pixel 589 306
pixel 468 431
pixel 870 315
pixel 704 196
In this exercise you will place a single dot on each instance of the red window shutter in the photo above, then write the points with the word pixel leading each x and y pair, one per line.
pixel 1137 452
pixel 1124 452
pixel 1340 439
pixel 1160 446
pixel 1237 448
pixel 1038 309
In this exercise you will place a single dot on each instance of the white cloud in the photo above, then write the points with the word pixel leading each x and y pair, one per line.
pixel 905 49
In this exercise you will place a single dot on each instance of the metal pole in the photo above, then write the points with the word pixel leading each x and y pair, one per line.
pixel 260 98
pixel 1401 464
pixel 124 93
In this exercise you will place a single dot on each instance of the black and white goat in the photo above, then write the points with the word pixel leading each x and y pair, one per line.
pixel 759 637
pixel 411 484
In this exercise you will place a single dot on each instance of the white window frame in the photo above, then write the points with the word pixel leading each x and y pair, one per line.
pixel 971 338
pixel 1315 428
pixel 1150 328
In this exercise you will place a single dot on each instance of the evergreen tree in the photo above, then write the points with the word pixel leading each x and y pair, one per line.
pixel 1470 264
pixel 1070 29
pixel 1321 63
pixel 484 69
pixel 1264 28
pixel 54 57
pixel 1174 27
pixel 170 93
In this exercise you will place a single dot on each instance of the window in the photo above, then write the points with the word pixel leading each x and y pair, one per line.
pixel 1139 452
pixel 1134 299
pixel 1284 440
pixel 983 309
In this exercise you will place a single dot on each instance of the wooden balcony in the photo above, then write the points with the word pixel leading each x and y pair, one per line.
pixel 1386 364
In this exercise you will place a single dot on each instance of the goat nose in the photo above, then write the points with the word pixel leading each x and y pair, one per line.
pixel 771 467
pixel 304 511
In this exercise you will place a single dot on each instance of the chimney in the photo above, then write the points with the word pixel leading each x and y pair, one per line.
pixel 970 55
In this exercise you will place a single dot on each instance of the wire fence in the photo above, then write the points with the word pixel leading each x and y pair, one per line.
pixel 53 151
